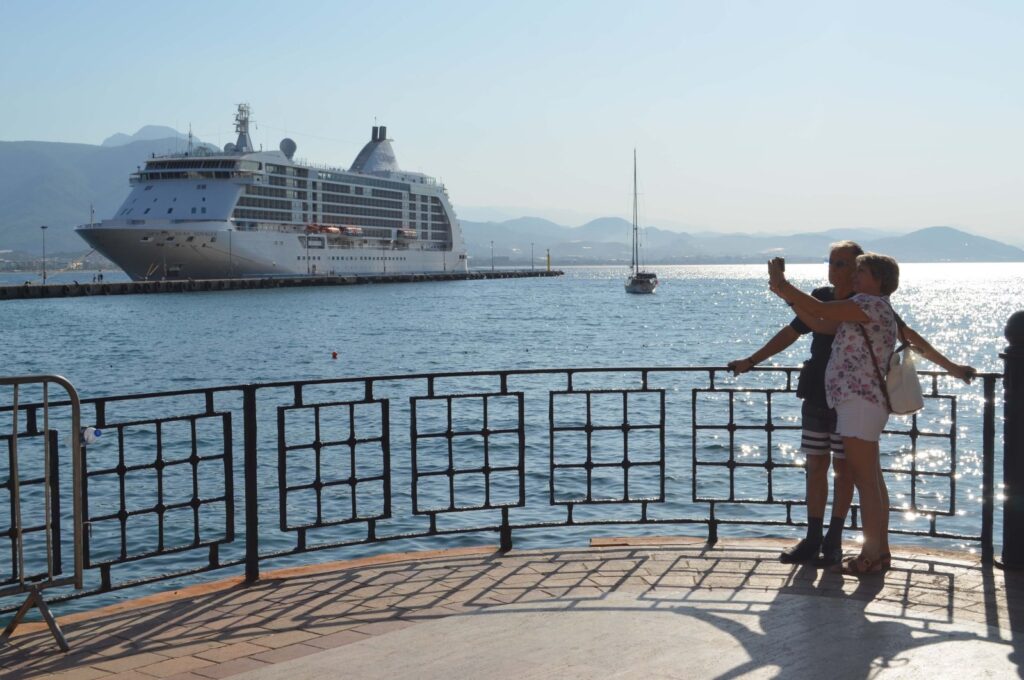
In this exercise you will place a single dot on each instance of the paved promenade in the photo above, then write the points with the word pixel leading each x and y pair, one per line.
pixel 623 608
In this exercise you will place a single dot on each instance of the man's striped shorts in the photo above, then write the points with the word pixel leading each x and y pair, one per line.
pixel 819 431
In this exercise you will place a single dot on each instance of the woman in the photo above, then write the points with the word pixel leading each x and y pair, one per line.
pixel 867 325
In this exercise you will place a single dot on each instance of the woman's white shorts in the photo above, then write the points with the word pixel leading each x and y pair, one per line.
pixel 860 418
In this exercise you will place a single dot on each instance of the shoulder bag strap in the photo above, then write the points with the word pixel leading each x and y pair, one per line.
pixel 878 371
pixel 900 323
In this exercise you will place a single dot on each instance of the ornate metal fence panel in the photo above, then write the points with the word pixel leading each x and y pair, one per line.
pixel 338 470
pixel 599 445
pixel 168 488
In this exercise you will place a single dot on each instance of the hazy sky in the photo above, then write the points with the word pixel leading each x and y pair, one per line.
pixel 746 116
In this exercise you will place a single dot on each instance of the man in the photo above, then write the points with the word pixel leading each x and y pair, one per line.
pixel 819 437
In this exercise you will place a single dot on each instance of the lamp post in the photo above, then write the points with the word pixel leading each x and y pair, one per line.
pixel 492 256
pixel 44 228
pixel 531 256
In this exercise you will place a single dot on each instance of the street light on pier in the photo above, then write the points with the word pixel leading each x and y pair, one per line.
pixel 531 256
pixel 492 256
pixel 44 228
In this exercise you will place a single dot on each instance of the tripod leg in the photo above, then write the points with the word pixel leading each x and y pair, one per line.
pixel 35 598
pixel 58 635
pixel 25 606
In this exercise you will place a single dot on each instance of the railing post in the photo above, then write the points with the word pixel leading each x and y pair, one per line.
pixel 1013 443
pixel 988 449
pixel 505 533
pixel 252 519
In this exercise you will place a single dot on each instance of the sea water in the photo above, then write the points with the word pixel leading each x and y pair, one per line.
pixel 703 315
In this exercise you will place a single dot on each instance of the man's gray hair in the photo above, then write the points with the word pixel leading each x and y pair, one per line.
pixel 846 245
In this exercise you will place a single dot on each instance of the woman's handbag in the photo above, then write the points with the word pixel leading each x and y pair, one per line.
pixel 902 383
pixel 901 387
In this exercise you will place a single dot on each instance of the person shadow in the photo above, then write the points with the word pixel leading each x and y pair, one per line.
pixel 813 629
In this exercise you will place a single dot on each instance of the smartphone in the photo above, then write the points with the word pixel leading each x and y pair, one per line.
pixel 782 264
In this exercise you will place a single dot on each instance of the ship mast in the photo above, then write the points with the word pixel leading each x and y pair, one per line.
pixel 635 265
pixel 244 143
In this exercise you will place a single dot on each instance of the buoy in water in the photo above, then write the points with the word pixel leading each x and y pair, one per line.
pixel 334 355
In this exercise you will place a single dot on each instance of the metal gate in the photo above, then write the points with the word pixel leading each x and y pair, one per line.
pixel 34 496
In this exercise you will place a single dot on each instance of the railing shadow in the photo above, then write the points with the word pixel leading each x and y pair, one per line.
pixel 801 621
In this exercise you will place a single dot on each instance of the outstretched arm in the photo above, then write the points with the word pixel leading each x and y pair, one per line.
pixel 961 371
pixel 816 324
pixel 840 310
pixel 780 341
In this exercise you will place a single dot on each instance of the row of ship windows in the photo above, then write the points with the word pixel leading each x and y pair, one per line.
pixel 169 165
pixel 206 174
pixel 365 181
pixel 285 182
pixel 331 188
pixel 200 187
pixel 170 211
pixel 279 176
pixel 281 210
pixel 287 170
pixel 274 216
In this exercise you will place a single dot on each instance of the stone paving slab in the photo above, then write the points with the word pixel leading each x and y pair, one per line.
pixel 621 608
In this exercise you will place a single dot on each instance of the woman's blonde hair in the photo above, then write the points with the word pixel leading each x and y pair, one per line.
pixel 884 269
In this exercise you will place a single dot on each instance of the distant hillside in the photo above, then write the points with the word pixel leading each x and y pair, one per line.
pixel 607 241
pixel 54 183
pixel 146 133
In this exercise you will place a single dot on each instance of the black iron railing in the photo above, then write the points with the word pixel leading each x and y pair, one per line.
pixel 191 481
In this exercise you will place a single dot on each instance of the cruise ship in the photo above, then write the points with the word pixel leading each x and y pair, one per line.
pixel 245 213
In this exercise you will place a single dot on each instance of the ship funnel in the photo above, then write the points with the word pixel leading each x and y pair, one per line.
pixel 383 133
pixel 373 137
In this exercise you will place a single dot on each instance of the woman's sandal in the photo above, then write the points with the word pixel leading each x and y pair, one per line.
pixel 885 561
pixel 862 566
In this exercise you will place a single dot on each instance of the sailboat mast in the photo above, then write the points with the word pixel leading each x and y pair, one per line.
pixel 636 255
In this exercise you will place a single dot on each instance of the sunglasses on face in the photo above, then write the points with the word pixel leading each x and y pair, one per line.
pixel 838 264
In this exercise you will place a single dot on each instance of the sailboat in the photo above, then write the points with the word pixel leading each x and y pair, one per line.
pixel 639 281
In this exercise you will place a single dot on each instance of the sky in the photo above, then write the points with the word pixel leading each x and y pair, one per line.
pixel 746 116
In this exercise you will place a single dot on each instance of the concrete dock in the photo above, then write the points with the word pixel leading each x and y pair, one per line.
pixel 76 289
pixel 620 608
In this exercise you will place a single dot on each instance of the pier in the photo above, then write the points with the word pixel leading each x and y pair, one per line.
pixel 61 290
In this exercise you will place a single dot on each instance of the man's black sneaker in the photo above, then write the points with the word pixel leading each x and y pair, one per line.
pixel 804 551
pixel 829 555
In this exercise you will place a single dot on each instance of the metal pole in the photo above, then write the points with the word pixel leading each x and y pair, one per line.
pixel 492 256
pixel 44 228
pixel 531 256
pixel 252 516
pixel 1013 443
pixel 988 447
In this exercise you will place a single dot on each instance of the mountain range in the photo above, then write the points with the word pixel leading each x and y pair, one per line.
pixel 608 240
pixel 56 183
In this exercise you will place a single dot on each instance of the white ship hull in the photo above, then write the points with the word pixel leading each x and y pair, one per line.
pixel 213 251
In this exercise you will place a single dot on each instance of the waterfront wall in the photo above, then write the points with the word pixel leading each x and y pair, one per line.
pixel 74 289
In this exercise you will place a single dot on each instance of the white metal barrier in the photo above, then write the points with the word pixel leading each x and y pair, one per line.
pixel 21 581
